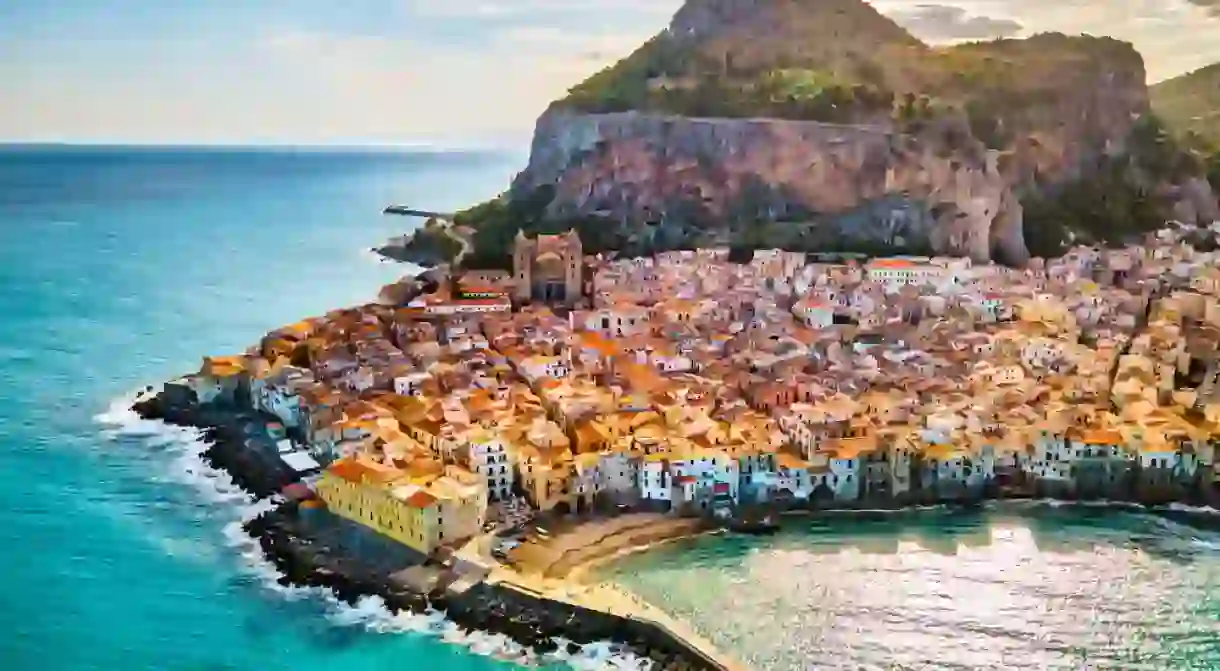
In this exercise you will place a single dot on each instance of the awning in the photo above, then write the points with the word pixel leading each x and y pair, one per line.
pixel 300 462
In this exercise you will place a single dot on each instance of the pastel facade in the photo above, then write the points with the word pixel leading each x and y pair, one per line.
pixel 423 515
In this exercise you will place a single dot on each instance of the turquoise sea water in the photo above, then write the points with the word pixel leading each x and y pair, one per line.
pixel 120 268
pixel 1030 586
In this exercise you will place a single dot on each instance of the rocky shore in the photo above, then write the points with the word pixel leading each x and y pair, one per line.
pixel 433 244
pixel 304 559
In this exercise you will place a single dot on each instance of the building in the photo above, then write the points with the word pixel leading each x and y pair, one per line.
pixel 486 455
pixel 217 380
pixel 548 269
pixel 423 514
pixel 365 492
pixel 814 313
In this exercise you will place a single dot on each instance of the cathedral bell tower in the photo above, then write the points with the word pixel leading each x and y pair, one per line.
pixel 523 260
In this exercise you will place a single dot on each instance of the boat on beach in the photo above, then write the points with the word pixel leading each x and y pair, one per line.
pixel 757 525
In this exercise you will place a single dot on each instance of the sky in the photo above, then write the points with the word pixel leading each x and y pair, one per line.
pixel 442 72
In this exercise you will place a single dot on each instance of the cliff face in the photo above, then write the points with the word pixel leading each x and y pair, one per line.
pixel 829 117
pixel 641 169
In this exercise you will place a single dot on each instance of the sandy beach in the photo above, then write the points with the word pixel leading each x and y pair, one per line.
pixel 573 551
pixel 563 567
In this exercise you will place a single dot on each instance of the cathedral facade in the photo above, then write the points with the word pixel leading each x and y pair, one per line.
pixel 548 268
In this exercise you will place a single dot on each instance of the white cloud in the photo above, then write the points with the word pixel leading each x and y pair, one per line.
pixel 316 86
pixel 1175 36
pixel 428 87
pixel 945 22
pixel 644 9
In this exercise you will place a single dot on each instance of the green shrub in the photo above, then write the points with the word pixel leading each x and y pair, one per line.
pixel 1108 206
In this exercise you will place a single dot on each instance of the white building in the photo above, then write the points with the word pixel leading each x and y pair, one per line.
pixel 814 313
pixel 410 384
pixel 898 272
pixel 655 480
pixel 538 367
pixel 487 456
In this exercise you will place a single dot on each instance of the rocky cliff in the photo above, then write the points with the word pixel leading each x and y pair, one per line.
pixel 708 174
pixel 827 117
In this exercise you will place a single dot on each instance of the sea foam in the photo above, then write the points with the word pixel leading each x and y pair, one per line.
pixel 183 448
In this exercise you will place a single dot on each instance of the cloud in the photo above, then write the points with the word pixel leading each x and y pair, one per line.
pixel 945 23
pixel 1212 6
pixel 403 86
pixel 538 9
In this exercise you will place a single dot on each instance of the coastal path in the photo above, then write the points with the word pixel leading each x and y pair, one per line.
pixel 609 598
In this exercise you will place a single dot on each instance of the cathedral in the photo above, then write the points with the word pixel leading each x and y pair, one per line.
pixel 548 269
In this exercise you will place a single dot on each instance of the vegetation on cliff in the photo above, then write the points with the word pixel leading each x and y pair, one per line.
pixel 1190 104
pixel 427 246
pixel 841 61
pixel 497 221
pixel 665 76
pixel 1119 201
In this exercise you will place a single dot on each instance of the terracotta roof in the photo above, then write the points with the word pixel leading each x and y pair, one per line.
pixel 354 472
pixel 892 263
pixel 421 499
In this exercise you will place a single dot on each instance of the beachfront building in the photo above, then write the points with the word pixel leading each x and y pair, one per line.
pixel 656 481
pixel 218 379
pixel 620 471
pixel 485 454
pixel 422 513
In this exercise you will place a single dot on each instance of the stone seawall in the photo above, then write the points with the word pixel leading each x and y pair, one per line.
pixel 222 429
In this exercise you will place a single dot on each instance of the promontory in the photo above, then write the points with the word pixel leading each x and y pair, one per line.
pixel 822 125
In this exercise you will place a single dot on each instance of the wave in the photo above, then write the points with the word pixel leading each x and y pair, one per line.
pixel 215 487
pixel 371 255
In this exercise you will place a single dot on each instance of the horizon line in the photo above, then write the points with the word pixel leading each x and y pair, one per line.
pixel 500 143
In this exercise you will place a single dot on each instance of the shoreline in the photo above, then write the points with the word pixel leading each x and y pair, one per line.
pixel 539 621
pixel 585 572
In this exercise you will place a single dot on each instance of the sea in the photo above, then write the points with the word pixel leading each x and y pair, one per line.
pixel 121 266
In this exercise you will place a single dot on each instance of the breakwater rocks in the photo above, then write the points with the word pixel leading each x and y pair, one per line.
pixel 259 472
pixel 531 620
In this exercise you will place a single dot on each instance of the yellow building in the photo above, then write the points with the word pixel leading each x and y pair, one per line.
pixel 383 499
pixel 462 501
